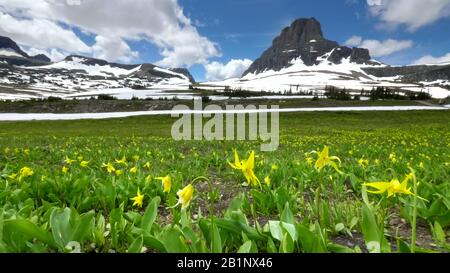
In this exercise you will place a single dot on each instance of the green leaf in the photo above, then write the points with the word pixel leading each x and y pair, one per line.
pixel 136 245
pixel 287 244
pixel 245 248
pixel 403 247
pixel 335 248
pixel 238 227
pixel 271 248
pixel 26 228
pixel 291 230
pixel 439 233
pixel 153 243
pixel 1 224
pixel 60 226
pixel 373 235
pixel 174 241
pixel 217 241
pixel 286 215
pixel 83 227
pixel 276 230
pixel 150 214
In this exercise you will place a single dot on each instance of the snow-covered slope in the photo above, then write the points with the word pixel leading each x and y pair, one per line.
pixel 300 78
pixel 78 76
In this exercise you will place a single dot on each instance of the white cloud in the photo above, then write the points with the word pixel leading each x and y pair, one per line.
pixel 113 49
pixel 380 48
pixel 414 14
pixel 40 33
pixel 429 59
pixel 54 54
pixel 161 22
pixel 216 71
pixel 354 41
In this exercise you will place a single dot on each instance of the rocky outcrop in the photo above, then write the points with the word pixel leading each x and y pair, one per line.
pixel 304 39
pixel 42 58
pixel 185 72
pixel 9 44
pixel 411 74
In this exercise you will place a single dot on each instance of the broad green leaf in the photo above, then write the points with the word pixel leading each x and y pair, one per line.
pixel 153 243
pixel 136 245
pixel 217 241
pixel 290 228
pixel 26 228
pixel 286 215
pixel 275 230
pixel 60 226
pixel 150 214
pixel 287 244
pixel 245 248
pixel 83 227
pixel 174 241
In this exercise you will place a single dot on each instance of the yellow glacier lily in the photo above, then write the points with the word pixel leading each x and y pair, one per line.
pixel 324 159
pixel 109 167
pixel 247 167
pixel 138 199
pixel 166 182
pixel 185 196
pixel 392 188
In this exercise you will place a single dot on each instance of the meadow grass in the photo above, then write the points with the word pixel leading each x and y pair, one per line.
pixel 66 186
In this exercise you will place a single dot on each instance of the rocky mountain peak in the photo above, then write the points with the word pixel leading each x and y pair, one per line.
pixel 304 39
pixel 8 44
pixel 42 58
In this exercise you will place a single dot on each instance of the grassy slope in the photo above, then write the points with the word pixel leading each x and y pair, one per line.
pixel 301 123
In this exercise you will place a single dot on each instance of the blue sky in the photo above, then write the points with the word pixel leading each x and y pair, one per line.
pixel 206 35
pixel 245 28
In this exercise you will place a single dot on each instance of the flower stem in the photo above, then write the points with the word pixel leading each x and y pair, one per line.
pixel 414 220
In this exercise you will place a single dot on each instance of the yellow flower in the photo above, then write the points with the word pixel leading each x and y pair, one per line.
pixel 147 165
pixel 109 167
pixel 26 151
pixel 138 199
pixel 309 160
pixel 246 166
pixel 12 176
pixel 123 161
pixel 324 159
pixel 134 170
pixel 363 163
pixel 25 172
pixel 377 162
pixel 69 161
pixel 118 172
pixel 149 178
pixel 65 169
pixel 267 181
pixel 393 158
pixel 274 167
pixel 392 188
pixel 84 164
pixel 136 158
pixel 185 196
pixel 166 182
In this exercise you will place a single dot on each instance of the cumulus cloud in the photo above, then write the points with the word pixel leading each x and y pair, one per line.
pixel 161 22
pixel 113 49
pixel 216 71
pixel 40 33
pixel 54 54
pixel 414 14
pixel 429 59
pixel 380 48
